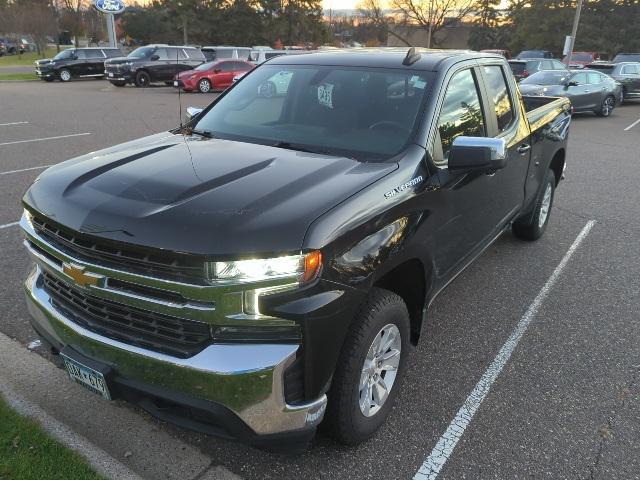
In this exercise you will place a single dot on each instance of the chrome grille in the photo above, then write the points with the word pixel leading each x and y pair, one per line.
pixel 154 331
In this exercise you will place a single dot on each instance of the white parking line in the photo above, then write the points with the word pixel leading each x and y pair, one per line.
pixel 449 439
pixel 44 139
pixel 12 123
pixel 632 125
pixel 25 169
pixel 7 225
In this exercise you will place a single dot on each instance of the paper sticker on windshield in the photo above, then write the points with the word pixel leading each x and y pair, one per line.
pixel 325 95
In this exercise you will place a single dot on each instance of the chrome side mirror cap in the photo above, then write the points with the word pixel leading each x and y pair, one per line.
pixel 477 154
pixel 192 112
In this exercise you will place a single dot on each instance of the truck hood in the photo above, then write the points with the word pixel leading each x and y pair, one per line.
pixel 43 61
pixel 216 198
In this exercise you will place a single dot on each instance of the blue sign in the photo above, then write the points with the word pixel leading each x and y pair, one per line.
pixel 109 6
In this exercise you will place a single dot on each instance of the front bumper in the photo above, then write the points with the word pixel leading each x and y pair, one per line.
pixel 118 75
pixel 233 391
pixel 45 73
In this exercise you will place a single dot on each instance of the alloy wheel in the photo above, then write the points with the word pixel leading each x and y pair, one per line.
pixel 545 206
pixel 379 370
pixel 65 75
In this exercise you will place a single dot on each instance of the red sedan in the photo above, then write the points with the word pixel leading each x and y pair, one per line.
pixel 211 76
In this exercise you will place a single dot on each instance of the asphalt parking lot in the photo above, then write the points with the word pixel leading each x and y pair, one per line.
pixel 566 404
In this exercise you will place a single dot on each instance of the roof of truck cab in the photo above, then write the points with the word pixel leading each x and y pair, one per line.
pixel 430 59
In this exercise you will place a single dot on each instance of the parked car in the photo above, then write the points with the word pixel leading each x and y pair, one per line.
pixel 152 63
pixel 75 63
pixel 582 59
pixel 588 90
pixel 279 266
pixel 260 56
pixel 211 76
pixel 9 46
pixel 626 57
pixel 505 53
pixel 627 74
pixel 226 53
pixel 525 54
pixel 523 68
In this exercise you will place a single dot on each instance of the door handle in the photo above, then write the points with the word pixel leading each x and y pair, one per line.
pixel 524 148
pixel 587 91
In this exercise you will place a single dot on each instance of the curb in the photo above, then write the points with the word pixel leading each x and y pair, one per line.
pixel 101 461
pixel 116 440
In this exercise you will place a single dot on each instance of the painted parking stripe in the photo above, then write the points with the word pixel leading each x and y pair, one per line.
pixel 632 125
pixel 7 225
pixel 46 138
pixel 12 123
pixel 25 169
pixel 449 439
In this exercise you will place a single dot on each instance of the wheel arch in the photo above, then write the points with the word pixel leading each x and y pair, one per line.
pixel 557 164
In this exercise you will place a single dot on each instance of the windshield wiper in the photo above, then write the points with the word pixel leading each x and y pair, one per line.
pixel 203 133
pixel 299 148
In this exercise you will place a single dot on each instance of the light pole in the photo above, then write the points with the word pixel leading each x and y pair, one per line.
pixel 430 23
pixel 574 32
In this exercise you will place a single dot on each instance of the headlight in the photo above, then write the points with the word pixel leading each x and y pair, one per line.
pixel 300 268
pixel 28 217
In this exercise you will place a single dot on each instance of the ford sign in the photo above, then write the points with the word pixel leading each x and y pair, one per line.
pixel 110 6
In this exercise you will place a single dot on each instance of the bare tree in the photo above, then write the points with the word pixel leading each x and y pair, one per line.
pixel 372 11
pixel 432 15
pixel 73 10
pixel 32 17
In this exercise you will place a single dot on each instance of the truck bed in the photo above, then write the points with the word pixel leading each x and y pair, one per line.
pixel 541 110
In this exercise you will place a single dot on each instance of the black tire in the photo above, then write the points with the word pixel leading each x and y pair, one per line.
pixel 344 419
pixel 143 79
pixel 204 85
pixel 118 84
pixel 64 75
pixel 48 79
pixel 531 228
pixel 607 106
pixel 623 95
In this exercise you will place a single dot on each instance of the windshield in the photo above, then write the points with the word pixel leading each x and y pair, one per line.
pixel 580 57
pixel 365 113
pixel 531 54
pixel 517 68
pixel 627 57
pixel 546 77
pixel 64 54
pixel 142 52
pixel 205 66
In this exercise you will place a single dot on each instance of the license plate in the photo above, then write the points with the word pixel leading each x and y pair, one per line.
pixel 110 74
pixel 175 83
pixel 87 377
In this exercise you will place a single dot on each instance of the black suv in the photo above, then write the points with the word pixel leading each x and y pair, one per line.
pixel 153 63
pixel 626 73
pixel 75 62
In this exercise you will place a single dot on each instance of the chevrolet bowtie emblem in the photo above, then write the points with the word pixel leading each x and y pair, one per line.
pixel 80 277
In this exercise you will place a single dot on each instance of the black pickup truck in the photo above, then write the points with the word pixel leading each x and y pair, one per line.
pixel 268 265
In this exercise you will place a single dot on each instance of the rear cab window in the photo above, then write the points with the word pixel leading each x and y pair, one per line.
pixel 461 113
pixel 500 95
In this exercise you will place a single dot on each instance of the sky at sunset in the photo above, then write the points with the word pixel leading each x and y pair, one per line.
pixel 351 4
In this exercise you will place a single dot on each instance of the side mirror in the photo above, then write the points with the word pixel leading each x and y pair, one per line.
pixel 571 83
pixel 477 154
pixel 153 58
pixel 192 112
pixel 74 57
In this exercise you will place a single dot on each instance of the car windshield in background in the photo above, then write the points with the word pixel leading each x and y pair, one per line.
pixel 581 57
pixel 608 69
pixel 627 57
pixel 63 55
pixel 518 68
pixel 205 66
pixel 366 113
pixel 546 77
pixel 142 52
pixel 531 54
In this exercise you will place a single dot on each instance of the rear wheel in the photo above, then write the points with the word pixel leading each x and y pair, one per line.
pixel 204 85
pixel 370 367
pixel 142 79
pixel 534 226
pixel 64 75
pixel 607 106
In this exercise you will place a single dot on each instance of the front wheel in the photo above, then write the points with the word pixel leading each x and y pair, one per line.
pixel 64 75
pixel 534 226
pixel 370 367
pixel 204 86
pixel 607 106
pixel 142 79
pixel 118 83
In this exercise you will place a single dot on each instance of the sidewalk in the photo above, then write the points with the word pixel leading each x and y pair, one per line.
pixel 116 441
